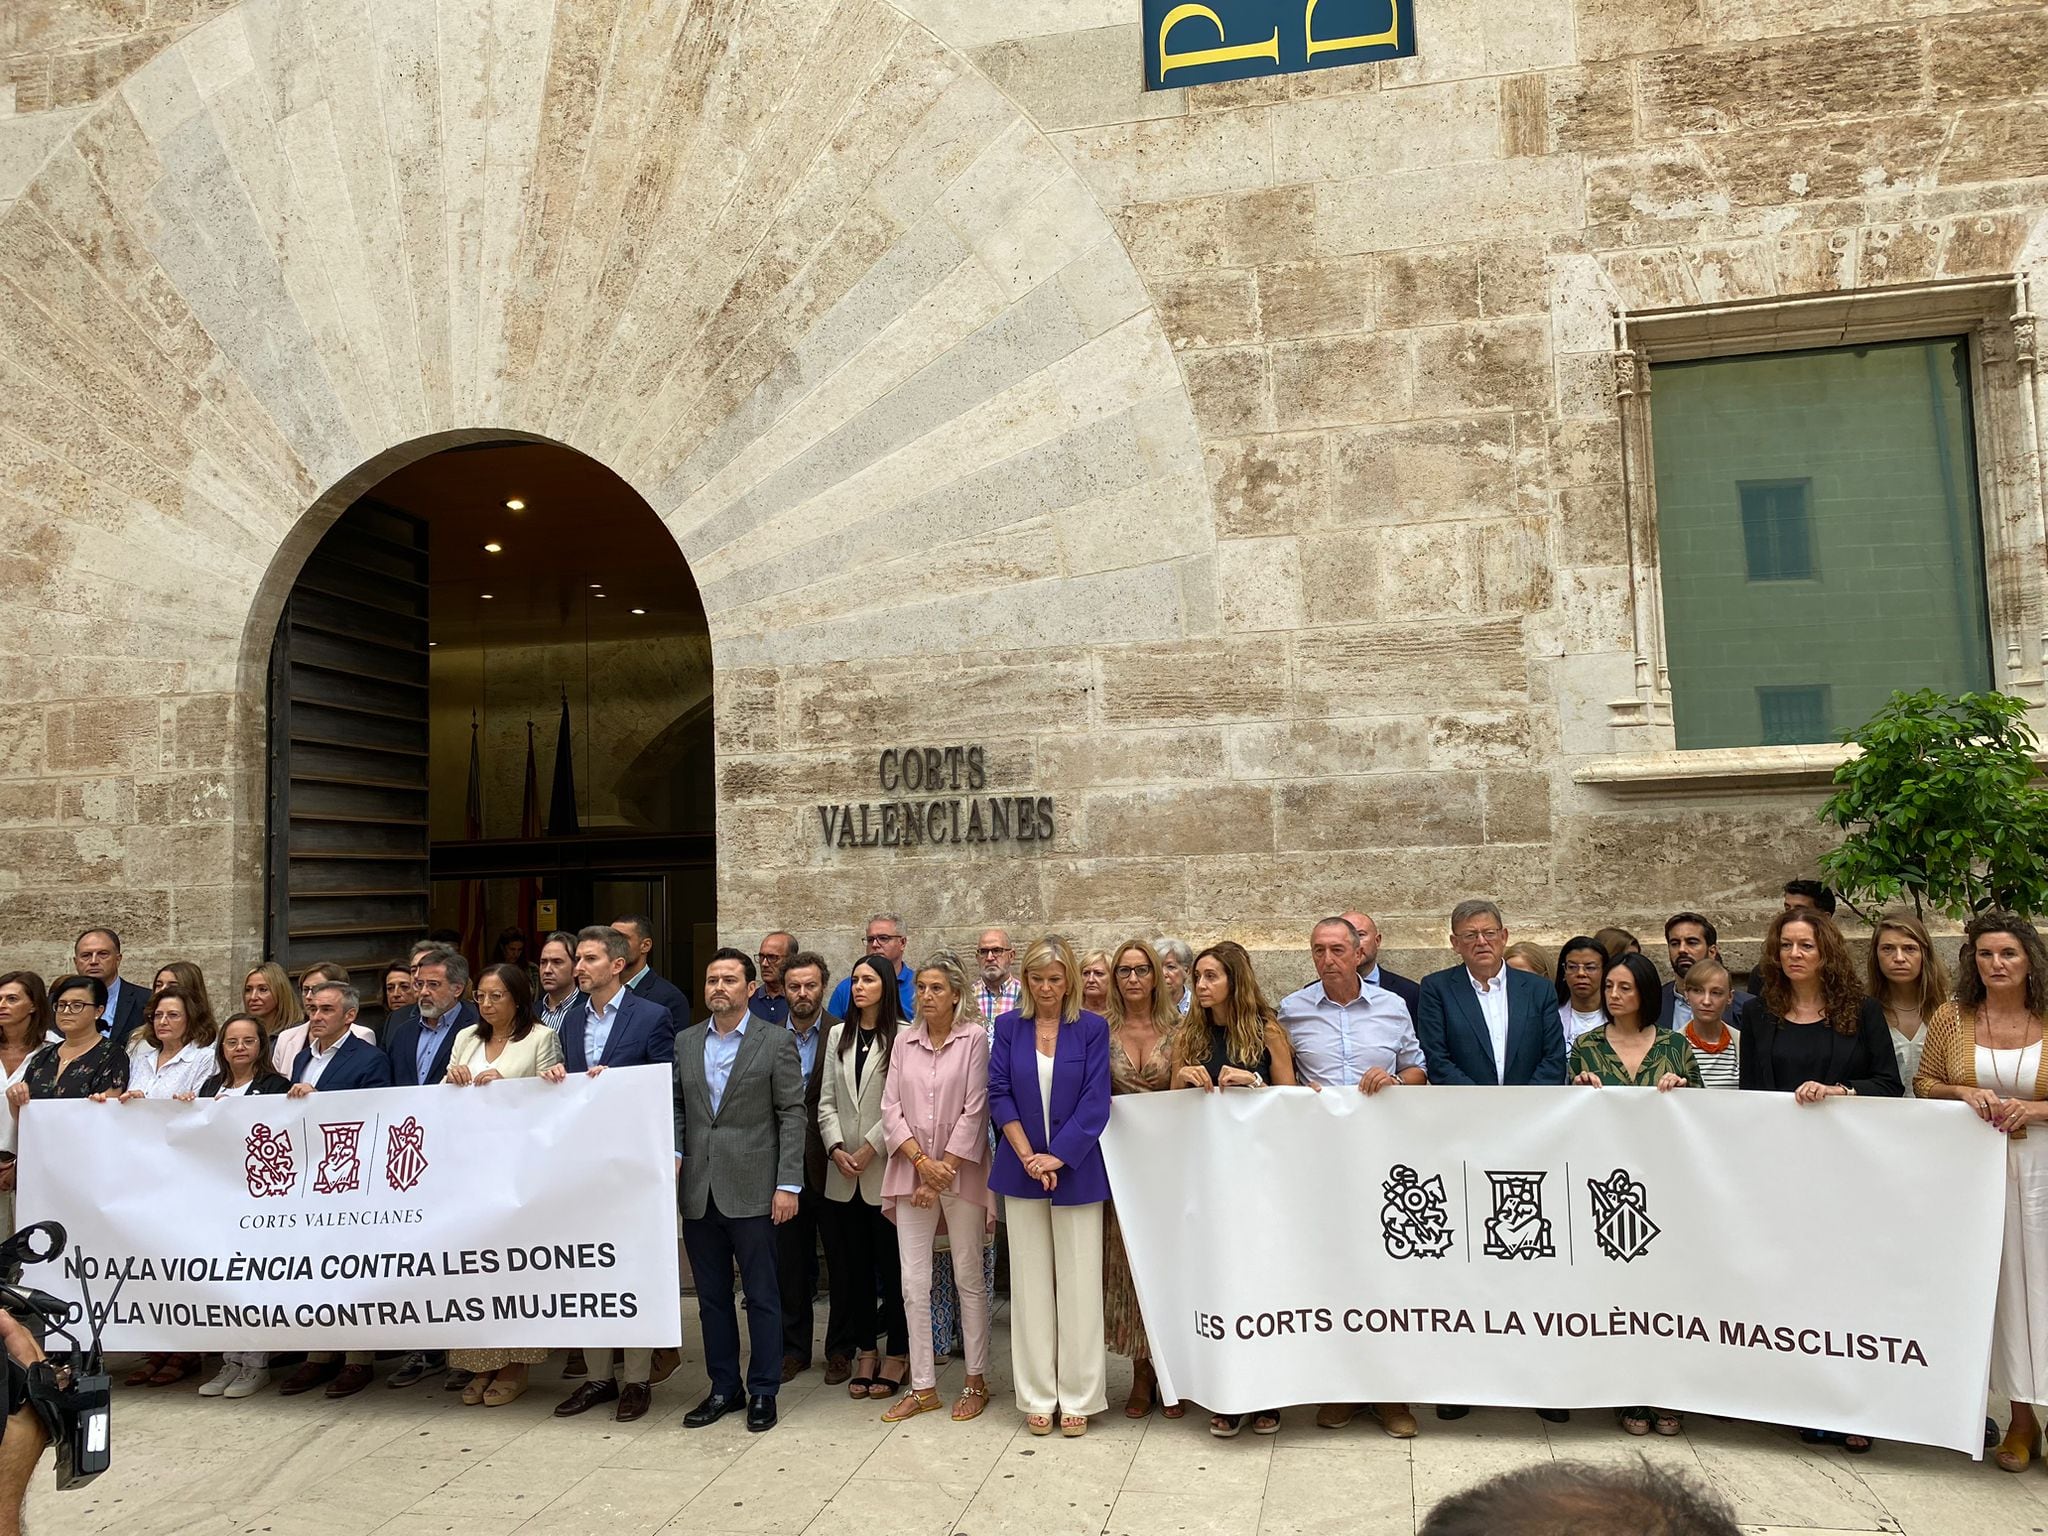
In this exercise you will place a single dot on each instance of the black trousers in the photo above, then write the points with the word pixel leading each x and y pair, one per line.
pixel 713 1242
pixel 867 1279
pixel 796 1263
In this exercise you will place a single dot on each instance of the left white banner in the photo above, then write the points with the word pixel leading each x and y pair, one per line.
pixel 518 1215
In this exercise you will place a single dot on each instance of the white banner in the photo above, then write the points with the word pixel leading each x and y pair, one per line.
pixel 521 1214
pixel 1829 1266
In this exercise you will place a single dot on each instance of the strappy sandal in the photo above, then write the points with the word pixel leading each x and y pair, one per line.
pixel 920 1400
pixel 1634 1420
pixel 144 1373
pixel 1266 1424
pixel 1073 1426
pixel 1038 1423
pixel 858 1384
pixel 1226 1426
pixel 1173 1410
pixel 1668 1424
pixel 889 1386
pixel 1139 1403
pixel 500 1392
pixel 473 1392
pixel 174 1370
pixel 969 1404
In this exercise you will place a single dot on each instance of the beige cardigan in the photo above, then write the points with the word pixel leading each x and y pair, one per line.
pixel 1950 1055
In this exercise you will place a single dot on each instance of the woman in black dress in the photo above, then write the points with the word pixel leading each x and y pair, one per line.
pixel 1811 1032
pixel 82 1062
pixel 1231 1038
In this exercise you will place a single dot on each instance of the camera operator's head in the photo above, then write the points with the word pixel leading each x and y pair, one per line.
pixel 330 1010
pixel 77 1003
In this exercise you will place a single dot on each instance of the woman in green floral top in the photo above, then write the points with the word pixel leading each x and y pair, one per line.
pixel 1630 1051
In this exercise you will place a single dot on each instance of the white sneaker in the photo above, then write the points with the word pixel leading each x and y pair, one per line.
pixel 248 1383
pixel 227 1377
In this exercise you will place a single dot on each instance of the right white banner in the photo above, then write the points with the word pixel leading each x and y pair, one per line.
pixel 1829 1266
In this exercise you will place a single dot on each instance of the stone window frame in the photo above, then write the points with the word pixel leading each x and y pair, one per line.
pixel 2009 407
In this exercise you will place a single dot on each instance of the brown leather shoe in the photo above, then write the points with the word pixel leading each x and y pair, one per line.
pixel 1395 1419
pixel 350 1380
pixel 1335 1415
pixel 600 1389
pixel 794 1366
pixel 312 1374
pixel 574 1365
pixel 837 1369
pixel 663 1365
pixel 634 1398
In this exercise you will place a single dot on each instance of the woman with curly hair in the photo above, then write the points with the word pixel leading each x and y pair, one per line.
pixel 1984 1049
pixel 1812 1033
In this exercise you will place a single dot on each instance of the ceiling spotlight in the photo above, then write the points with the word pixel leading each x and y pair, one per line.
pixel 432 643
pixel 494 548
pixel 595 585
pixel 639 610
pixel 598 594
pixel 485 596
pixel 514 504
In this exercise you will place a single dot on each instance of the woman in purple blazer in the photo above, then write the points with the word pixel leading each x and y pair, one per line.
pixel 1048 1096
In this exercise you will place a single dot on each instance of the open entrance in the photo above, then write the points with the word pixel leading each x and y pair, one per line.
pixel 490 714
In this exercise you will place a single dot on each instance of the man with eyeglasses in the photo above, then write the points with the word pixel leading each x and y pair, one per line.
pixel 98 954
pixel 1484 1023
pixel 769 1001
pixel 885 939
pixel 996 991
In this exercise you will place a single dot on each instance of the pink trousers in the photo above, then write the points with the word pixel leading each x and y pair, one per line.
pixel 916 1235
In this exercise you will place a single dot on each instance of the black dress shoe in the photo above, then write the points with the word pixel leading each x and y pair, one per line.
pixel 760 1414
pixel 714 1407
pixel 634 1398
pixel 1451 1410
pixel 1554 1415
pixel 586 1397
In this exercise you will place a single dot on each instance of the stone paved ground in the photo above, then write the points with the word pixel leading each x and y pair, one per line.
pixel 417 1463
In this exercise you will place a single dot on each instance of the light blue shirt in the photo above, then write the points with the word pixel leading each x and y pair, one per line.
pixel 721 1050
pixel 807 1044
pixel 597 1027
pixel 113 1001
pixel 1335 1044
pixel 429 1041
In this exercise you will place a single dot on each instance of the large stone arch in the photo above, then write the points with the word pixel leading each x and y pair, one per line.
pixel 799 273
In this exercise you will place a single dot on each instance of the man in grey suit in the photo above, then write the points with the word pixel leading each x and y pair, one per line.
pixel 739 1107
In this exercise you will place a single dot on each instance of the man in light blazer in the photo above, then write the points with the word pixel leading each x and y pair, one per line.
pixel 1484 1023
pixel 739 1109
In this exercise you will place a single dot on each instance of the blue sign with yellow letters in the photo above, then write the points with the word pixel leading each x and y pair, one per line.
pixel 1194 44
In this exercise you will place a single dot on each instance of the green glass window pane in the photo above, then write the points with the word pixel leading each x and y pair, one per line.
pixel 1819 537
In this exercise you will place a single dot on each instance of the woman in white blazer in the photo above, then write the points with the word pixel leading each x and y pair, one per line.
pixel 860 1240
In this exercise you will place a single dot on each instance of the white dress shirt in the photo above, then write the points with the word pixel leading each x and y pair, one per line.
pixel 597 1028
pixel 1493 1007
pixel 317 1062
pixel 186 1071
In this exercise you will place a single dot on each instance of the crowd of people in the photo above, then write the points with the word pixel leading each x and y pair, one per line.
pixel 898 1117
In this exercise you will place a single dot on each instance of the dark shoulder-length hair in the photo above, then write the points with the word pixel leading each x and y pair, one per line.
pixel 520 987
pixel 1573 944
pixel 888 1010
pixel 1841 989
pixel 39 1014
pixel 262 1067
pixel 1970 983
pixel 1649 990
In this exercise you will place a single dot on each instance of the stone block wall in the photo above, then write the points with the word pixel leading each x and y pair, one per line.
pixel 1239 466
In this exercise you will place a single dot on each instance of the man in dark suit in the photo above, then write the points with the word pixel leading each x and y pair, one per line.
pixel 98 953
pixel 612 1027
pixel 739 1108
pixel 642 979
pixel 1689 939
pixel 1371 972
pixel 333 1060
pixel 1483 1023
pixel 803 978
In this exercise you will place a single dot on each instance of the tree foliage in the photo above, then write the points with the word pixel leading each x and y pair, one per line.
pixel 1942 806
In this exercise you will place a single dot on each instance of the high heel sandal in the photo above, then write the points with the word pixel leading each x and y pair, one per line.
pixel 889 1386
pixel 479 1384
pixel 142 1374
pixel 857 1385
pixel 1139 1404
pixel 2016 1451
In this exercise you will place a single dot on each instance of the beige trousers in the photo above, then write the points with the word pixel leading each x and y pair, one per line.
pixel 1057 1359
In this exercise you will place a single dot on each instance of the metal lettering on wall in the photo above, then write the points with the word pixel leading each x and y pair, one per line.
pixel 932 809
pixel 1187 44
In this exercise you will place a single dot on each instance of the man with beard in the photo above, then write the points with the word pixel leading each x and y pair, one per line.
pixel 802 977
pixel 996 991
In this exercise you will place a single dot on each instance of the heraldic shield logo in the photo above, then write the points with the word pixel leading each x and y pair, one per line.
pixel 405 1157
pixel 1621 1216
pixel 1413 1222
pixel 268 1163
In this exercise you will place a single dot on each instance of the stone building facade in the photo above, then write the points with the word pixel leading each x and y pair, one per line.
pixel 1258 472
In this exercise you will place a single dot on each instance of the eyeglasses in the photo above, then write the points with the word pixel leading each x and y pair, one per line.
pixel 875 939
pixel 1124 972
pixel 1481 936
pixel 990 951
pixel 69 1006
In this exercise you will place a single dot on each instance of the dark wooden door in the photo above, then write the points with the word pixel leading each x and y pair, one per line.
pixel 348 875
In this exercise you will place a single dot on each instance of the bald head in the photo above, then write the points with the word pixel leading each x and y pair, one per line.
pixel 1368 941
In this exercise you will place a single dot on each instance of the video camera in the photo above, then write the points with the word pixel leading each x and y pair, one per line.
pixel 69 1389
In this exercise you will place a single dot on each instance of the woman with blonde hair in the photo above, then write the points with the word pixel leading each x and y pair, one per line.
pixel 1143 1019
pixel 1048 1093
pixel 1095 981
pixel 1908 978
pixel 269 998
pixel 935 1122
pixel 1985 1049
pixel 1231 1038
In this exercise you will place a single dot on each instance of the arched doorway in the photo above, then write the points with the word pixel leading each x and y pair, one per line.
pixel 489 712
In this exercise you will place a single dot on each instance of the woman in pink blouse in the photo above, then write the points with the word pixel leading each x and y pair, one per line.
pixel 935 1116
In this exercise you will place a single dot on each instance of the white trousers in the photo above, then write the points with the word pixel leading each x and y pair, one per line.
pixel 1057 1360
